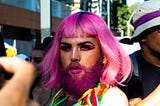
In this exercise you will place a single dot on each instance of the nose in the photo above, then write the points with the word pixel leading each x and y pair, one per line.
pixel 75 56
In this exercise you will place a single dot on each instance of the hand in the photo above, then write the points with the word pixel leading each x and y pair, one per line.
pixel 134 101
pixel 16 91
pixel 153 99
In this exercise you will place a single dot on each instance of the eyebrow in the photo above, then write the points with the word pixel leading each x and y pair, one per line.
pixel 81 43
pixel 85 43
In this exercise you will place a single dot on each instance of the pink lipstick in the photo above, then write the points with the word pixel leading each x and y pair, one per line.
pixel 75 68
pixel 76 71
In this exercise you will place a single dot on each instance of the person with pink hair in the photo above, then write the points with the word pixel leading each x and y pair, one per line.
pixel 85 64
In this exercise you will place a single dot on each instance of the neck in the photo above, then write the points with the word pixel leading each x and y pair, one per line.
pixel 148 56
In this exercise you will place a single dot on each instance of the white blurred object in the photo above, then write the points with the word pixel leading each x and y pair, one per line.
pixel 130 48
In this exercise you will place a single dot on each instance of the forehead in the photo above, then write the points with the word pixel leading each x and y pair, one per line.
pixel 80 39
pixel 35 53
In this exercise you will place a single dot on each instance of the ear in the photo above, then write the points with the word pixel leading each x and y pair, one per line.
pixel 143 40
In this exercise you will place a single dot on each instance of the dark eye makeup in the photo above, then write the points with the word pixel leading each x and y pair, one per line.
pixel 65 47
pixel 86 46
pixel 83 46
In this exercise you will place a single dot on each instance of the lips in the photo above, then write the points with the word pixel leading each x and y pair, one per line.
pixel 75 68
pixel 76 71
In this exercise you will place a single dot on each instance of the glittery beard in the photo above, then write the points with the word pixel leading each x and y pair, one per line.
pixel 76 87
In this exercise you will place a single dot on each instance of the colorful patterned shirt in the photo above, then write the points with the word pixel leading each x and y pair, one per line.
pixel 92 97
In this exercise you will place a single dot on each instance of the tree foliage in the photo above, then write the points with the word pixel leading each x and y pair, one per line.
pixel 123 16
pixel 120 15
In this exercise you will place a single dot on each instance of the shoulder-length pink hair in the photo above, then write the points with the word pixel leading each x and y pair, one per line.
pixel 118 66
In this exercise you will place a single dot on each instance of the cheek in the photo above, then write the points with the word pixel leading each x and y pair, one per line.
pixel 90 59
pixel 154 42
pixel 64 58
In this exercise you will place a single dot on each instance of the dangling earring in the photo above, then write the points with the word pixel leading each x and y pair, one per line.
pixel 104 60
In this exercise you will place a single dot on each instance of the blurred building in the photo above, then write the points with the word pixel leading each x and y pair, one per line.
pixel 20 21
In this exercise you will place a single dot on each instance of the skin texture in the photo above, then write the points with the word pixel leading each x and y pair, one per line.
pixel 114 97
pixel 84 50
pixel 16 91
pixel 134 101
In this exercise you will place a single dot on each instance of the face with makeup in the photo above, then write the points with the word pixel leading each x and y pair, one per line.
pixel 79 54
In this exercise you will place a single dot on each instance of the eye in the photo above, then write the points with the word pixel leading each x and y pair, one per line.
pixel 37 60
pixel 86 47
pixel 65 47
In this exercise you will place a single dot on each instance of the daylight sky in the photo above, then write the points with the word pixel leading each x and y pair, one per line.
pixel 130 2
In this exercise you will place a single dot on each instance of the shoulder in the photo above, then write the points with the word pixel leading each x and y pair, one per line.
pixel 138 52
pixel 114 97
pixel 45 96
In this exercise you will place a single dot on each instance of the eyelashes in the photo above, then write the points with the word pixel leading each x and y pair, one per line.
pixel 87 47
pixel 65 47
pixel 81 47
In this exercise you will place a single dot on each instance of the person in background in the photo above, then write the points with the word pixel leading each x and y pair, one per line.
pixel 146 61
pixel 36 57
pixel 85 64
pixel 37 54
pixel 16 91
pixel 47 42
pixel 39 51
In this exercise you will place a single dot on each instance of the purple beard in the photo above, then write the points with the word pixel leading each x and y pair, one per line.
pixel 76 87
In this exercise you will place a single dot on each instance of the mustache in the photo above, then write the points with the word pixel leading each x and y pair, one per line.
pixel 77 65
pixel 74 65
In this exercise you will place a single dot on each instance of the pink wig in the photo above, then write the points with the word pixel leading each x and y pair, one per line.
pixel 118 66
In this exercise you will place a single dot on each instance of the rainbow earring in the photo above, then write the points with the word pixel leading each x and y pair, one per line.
pixel 104 60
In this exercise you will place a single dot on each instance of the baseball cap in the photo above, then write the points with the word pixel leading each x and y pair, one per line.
pixel 146 16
